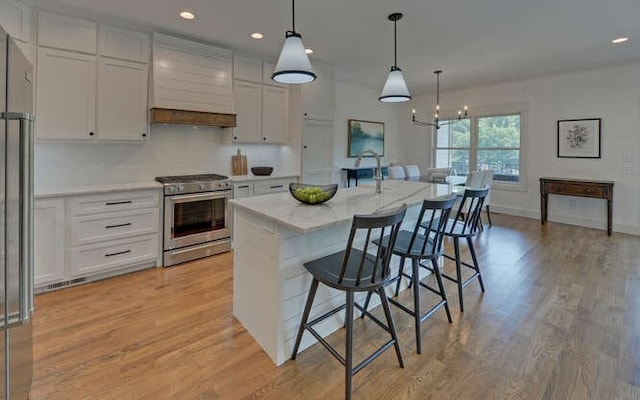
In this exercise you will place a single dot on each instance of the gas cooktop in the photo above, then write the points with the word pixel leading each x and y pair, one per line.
pixel 191 178
pixel 183 184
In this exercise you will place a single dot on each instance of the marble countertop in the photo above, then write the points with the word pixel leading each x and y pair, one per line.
pixel 249 178
pixel 283 209
pixel 61 191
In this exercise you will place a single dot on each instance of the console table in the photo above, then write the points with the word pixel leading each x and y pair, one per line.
pixel 579 188
pixel 361 173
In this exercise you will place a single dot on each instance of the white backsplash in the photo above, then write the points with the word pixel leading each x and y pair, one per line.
pixel 171 150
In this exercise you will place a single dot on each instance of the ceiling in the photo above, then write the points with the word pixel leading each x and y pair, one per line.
pixel 475 42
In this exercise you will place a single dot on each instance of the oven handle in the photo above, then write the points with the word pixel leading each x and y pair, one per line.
pixel 200 196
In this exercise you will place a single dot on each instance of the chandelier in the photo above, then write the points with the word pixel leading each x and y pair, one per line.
pixel 462 114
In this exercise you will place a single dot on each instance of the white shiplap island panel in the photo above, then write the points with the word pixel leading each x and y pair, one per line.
pixel 275 234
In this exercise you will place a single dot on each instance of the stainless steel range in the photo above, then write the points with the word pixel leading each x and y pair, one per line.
pixel 196 216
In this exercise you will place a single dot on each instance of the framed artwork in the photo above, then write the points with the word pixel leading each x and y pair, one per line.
pixel 365 135
pixel 579 138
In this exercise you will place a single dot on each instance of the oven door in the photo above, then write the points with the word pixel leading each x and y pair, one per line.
pixel 196 218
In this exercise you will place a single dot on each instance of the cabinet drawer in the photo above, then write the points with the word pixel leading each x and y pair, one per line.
pixel 114 254
pixel 94 228
pixel 577 190
pixel 243 189
pixel 119 201
pixel 274 186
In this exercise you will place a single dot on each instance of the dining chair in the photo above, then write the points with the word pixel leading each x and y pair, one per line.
pixel 412 171
pixel 438 175
pixel 396 172
pixel 487 180
pixel 356 269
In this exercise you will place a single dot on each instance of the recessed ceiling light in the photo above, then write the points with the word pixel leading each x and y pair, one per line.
pixel 308 50
pixel 257 35
pixel 186 14
pixel 619 40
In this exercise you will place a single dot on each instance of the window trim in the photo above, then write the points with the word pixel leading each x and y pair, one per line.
pixel 493 111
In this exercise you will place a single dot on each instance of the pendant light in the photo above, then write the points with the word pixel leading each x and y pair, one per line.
pixel 395 88
pixel 293 65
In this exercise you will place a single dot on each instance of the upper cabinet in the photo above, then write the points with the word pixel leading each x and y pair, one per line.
pixel 261 107
pixel 317 96
pixel 15 18
pixel 92 81
pixel 191 76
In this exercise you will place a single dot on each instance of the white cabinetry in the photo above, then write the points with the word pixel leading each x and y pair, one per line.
pixel 88 237
pixel 317 96
pixel 122 100
pixel 248 108
pixel 15 18
pixel 261 186
pixel 49 241
pixel 66 92
pixel 262 109
pixel 92 83
pixel 317 154
pixel 113 231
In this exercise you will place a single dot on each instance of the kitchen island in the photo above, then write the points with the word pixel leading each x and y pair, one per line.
pixel 274 235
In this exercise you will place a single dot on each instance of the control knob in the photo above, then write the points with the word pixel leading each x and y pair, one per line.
pixel 202 186
pixel 180 188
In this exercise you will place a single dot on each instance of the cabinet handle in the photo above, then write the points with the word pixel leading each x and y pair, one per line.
pixel 117 253
pixel 117 226
pixel 235 138
pixel 243 187
pixel 144 135
pixel 91 133
pixel 277 186
pixel 115 203
pixel 304 147
pixel 588 190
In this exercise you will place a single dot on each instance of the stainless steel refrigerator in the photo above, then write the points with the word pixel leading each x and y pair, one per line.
pixel 16 221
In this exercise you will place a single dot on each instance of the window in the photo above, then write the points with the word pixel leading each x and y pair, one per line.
pixel 482 142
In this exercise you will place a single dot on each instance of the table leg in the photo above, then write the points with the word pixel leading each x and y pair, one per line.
pixel 609 215
pixel 543 207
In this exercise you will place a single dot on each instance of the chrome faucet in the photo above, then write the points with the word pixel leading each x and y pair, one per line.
pixel 378 175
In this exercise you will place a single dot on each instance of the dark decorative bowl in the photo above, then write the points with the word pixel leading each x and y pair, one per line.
pixel 262 171
pixel 312 194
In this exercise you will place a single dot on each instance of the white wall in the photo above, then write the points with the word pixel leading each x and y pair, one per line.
pixel 171 150
pixel 354 102
pixel 612 94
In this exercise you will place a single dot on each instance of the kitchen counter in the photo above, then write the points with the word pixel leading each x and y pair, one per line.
pixel 283 209
pixel 62 191
pixel 274 235
pixel 251 178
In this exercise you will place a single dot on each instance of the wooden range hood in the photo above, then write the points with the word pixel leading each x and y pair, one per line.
pixel 183 117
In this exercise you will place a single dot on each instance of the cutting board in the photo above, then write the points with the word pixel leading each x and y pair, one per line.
pixel 239 164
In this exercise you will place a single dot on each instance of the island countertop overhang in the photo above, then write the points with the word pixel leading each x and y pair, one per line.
pixel 283 209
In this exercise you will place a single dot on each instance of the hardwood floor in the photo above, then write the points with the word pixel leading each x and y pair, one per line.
pixel 560 319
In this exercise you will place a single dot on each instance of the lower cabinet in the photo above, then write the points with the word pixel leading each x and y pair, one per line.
pixel 49 241
pixel 87 237
pixel 265 186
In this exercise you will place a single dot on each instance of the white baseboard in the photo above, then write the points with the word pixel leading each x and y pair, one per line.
pixel 569 220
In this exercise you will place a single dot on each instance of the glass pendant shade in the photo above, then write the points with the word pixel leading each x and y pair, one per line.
pixel 293 65
pixel 395 89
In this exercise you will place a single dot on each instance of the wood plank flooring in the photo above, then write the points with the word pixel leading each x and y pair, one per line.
pixel 560 319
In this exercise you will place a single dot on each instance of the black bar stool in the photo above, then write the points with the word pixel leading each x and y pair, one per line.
pixel 355 270
pixel 423 246
pixel 466 225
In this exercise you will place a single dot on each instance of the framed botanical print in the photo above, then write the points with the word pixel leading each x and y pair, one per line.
pixel 579 138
